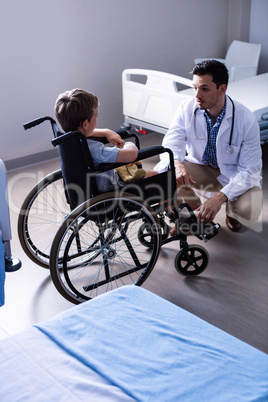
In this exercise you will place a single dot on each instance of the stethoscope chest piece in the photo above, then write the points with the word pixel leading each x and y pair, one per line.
pixel 229 149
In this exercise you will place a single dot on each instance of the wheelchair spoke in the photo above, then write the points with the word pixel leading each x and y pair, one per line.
pixel 40 217
pixel 130 249
pixel 110 254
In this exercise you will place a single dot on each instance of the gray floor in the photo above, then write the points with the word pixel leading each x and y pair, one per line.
pixel 231 294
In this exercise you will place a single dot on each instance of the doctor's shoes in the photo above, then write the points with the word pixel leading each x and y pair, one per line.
pixel 233 224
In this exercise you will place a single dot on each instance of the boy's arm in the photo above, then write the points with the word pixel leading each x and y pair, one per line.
pixel 128 153
pixel 111 136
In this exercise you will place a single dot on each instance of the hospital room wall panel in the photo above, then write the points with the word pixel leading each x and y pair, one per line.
pixel 49 47
pixel 259 31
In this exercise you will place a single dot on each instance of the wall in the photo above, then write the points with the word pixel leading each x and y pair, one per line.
pixel 259 30
pixel 50 46
pixel 238 20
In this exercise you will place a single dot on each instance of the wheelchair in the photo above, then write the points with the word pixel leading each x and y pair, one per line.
pixel 94 242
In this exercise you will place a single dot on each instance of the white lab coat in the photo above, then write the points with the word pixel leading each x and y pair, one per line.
pixel 241 169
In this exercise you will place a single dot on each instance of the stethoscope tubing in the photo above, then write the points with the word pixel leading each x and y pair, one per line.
pixel 229 148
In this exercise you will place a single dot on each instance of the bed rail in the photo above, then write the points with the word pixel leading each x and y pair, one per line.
pixel 151 97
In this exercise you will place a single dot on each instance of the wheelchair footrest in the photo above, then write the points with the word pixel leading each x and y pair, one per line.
pixel 188 222
pixel 208 230
pixel 202 230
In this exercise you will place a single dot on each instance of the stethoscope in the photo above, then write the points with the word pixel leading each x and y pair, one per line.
pixel 229 148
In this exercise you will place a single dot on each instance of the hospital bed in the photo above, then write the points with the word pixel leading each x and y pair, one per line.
pixel 130 344
pixel 150 98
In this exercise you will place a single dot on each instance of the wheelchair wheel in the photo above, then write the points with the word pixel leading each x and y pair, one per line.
pixel 41 215
pixel 97 248
pixel 193 262
pixel 145 235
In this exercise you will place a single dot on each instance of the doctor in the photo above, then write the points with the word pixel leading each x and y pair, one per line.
pixel 216 147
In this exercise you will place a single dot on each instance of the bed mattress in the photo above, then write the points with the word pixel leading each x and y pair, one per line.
pixel 130 344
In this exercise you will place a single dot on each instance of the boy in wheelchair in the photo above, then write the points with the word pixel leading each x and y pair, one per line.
pixel 78 110
pixel 106 239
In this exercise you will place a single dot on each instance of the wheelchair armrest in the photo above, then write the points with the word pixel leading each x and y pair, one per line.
pixel 152 151
pixel 124 134
pixel 143 154
pixel 64 137
pixel 156 150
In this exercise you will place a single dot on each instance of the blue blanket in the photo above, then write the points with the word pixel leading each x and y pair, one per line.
pixel 2 273
pixel 155 351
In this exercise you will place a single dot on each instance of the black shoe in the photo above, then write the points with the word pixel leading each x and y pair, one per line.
pixel 233 224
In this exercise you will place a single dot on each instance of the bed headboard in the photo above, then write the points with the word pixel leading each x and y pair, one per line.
pixel 150 97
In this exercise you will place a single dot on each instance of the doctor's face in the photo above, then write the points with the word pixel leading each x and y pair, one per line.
pixel 207 95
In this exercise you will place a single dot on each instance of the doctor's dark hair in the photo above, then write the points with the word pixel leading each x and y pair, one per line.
pixel 73 107
pixel 215 68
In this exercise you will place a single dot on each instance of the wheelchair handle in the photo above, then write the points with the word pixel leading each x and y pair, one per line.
pixel 40 120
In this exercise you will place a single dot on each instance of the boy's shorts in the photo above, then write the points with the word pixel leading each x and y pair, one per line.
pixel 108 181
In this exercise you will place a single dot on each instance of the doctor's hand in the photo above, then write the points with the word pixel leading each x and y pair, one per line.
pixel 210 208
pixel 183 177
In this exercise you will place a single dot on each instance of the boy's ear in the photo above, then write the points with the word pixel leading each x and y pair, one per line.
pixel 84 124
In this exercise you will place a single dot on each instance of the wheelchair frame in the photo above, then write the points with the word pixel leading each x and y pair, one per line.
pixel 108 240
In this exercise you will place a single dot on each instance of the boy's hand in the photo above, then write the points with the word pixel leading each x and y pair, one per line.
pixel 115 139
pixel 110 135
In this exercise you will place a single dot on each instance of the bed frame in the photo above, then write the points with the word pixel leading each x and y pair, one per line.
pixel 150 98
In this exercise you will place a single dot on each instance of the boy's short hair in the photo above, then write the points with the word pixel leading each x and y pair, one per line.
pixel 215 68
pixel 73 107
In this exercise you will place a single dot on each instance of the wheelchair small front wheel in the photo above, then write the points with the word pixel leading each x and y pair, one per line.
pixel 191 262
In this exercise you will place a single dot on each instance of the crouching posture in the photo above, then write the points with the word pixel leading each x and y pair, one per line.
pixel 216 145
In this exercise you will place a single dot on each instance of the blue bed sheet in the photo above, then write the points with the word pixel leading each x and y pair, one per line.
pixel 156 351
